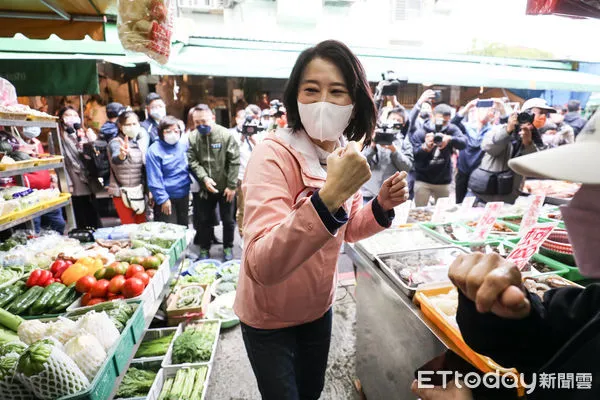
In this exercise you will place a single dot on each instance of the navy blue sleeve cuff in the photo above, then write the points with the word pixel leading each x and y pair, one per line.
pixel 383 218
pixel 332 222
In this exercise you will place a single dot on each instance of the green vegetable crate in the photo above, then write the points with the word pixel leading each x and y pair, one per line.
pixel 152 334
pixel 145 365
pixel 168 360
pixel 103 384
pixel 170 372
pixel 430 229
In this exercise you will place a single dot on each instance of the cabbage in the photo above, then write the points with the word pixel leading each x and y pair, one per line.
pixel 101 326
pixel 12 347
pixel 62 329
pixel 87 352
pixel 31 331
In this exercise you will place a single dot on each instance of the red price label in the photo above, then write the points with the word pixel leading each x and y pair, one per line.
pixel 486 223
pixel 533 212
pixel 530 243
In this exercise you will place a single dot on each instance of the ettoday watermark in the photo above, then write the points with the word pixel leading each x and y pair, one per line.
pixel 510 380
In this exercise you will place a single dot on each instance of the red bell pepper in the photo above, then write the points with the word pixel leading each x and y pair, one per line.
pixel 45 279
pixel 62 268
pixel 58 265
pixel 34 278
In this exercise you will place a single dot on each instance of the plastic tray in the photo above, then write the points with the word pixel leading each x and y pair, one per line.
pixel 167 361
pixel 155 334
pixel 430 229
pixel 435 315
pixel 371 248
pixel 383 261
pixel 147 365
pixel 169 372
pixel 103 384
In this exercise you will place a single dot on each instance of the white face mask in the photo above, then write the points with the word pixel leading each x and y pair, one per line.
pixel 31 132
pixel 71 121
pixel 131 131
pixel 158 113
pixel 171 138
pixel 324 121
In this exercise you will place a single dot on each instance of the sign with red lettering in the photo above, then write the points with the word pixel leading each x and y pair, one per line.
pixel 402 211
pixel 530 244
pixel 486 222
pixel 442 204
pixel 532 214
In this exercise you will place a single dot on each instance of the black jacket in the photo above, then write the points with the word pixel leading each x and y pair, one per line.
pixel 576 121
pixel 435 167
pixel 560 336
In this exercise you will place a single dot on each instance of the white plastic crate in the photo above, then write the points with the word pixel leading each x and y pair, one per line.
pixel 169 372
pixel 168 360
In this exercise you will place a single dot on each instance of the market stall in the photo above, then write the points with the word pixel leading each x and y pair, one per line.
pixel 406 304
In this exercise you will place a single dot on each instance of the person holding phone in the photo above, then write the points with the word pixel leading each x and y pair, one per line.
pixel 387 158
pixel 302 196
pixel 82 185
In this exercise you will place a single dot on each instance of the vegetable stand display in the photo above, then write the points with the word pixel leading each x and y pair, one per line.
pixel 396 290
pixel 22 206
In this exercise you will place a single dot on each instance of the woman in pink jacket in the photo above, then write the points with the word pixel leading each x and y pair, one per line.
pixel 302 202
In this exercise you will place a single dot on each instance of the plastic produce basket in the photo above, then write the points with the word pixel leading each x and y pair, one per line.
pixel 435 315
pixel 102 385
pixel 147 365
pixel 167 361
pixel 155 334
pixel 170 372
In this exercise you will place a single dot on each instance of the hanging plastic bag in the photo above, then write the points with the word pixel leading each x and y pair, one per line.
pixel 8 93
pixel 146 26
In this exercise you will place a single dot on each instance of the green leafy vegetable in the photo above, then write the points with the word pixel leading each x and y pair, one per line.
pixel 136 383
pixel 13 347
pixel 195 344
pixel 155 347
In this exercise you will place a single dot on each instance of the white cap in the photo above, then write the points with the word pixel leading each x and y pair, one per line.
pixel 577 162
pixel 536 102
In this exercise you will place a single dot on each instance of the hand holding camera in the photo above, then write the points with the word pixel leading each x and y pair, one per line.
pixel 429 142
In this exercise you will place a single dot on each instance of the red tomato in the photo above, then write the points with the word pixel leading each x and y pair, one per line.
pixel 133 287
pixel 116 284
pixel 100 288
pixel 151 273
pixel 96 300
pixel 144 277
pixel 85 284
pixel 133 269
pixel 112 297
pixel 85 299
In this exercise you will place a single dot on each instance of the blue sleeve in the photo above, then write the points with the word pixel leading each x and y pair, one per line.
pixel 458 121
pixel 155 178
pixel 383 218
pixel 332 222
pixel 459 141
pixel 412 119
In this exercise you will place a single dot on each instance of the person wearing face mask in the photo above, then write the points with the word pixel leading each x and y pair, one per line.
pixel 302 195
pixel 433 146
pixel 168 176
pixel 559 333
pixel 109 129
pixel 156 110
pixel 493 180
pixel 127 173
pixel 419 114
pixel 42 180
pixel 557 132
pixel 214 159
pixel 82 185
pixel 470 157
pixel 385 160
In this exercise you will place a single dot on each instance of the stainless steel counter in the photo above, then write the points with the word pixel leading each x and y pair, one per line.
pixel 393 338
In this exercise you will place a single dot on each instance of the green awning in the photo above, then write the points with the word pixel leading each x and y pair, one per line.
pixel 239 58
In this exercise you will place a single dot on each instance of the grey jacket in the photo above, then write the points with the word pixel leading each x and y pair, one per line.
pixel 128 172
pixel 498 150
pixel 384 164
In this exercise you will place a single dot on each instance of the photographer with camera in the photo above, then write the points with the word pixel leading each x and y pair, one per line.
pixel 433 146
pixel 475 130
pixel 389 152
pixel 278 115
pixel 493 180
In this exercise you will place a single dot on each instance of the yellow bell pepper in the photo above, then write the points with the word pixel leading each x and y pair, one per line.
pixel 95 266
pixel 73 273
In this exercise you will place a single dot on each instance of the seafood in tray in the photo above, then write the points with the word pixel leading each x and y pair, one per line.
pixel 455 232
pixel 504 251
pixel 419 215
pixel 499 229
pixel 541 284
pixel 423 267
pixel 395 240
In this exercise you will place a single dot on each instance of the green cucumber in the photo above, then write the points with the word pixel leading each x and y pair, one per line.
pixel 41 304
pixel 8 294
pixel 24 301
pixel 64 290
pixel 65 302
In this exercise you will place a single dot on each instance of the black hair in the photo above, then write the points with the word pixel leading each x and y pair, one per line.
pixel 166 123
pixel 573 105
pixel 63 110
pixel 398 110
pixel 365 117
pixel 151 97
pixel 125 115
pixel 443 109
pixel 202 107
pixel 254 109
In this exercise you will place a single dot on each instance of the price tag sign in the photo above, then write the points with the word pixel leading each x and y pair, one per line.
pixel 466 207
pixel 532 214
pixel 530 244
pixel 486 222
pixel 442 204
pixel 402 212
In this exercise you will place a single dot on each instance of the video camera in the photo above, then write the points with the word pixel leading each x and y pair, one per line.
pixel 251 126
pixel 387 133
pixel 390 84
pixel 524 117
pixel 277 109
pixel 438 137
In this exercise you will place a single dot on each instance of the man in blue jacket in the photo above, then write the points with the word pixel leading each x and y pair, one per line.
pixel 474 131
pixel 433 146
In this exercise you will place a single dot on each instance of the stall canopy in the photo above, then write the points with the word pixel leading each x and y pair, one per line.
pixel 232 57
pixel 68 19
